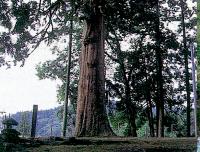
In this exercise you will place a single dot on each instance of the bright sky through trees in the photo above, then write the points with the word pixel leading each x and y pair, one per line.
pixel 21 88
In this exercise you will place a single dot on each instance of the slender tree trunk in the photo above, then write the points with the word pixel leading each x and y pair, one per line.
pixel 131 114
pixel 132 130
pixel 194 88
pixel 187 83
pixel 157 116
pixel 149 112
pixel 65 113
pixel 151 124
pixel 198 70
pixel 160 104
pixel 91 118
pixel 149 103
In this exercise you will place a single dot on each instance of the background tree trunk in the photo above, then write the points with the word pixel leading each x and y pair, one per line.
pixel 159 65
pixel 132 130
pixel 149 103
pixel 187 83
pixel 149 111
pixel 198 70
pixel 65 112
pixel 91 119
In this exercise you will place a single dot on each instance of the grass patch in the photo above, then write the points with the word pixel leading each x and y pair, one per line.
pixel 124 145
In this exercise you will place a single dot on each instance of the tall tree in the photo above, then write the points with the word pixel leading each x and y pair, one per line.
pixel 185 15
pixel 124 71
pixel 91 117
pixel 65 112
pixel 198 69
pixel 185 51
pixel 163 40
pixel 159 59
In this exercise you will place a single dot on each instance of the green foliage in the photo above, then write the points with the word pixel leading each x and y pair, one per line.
pixel 141 120
pixel 143 131
pixel 56 69
pixel 175 122
pixel 21 14
pixel 32 23
pixel 175 125
pixel 119 123
pixel 135 67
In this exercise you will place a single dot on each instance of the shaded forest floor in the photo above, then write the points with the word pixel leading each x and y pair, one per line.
pixel 119 145
pixel 115 144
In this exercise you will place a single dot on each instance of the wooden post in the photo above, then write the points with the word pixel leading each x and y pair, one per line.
pixel 34 121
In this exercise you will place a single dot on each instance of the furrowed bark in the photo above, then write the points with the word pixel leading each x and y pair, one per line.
pixel 91 119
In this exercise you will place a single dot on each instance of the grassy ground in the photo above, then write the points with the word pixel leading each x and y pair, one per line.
pixel 123 145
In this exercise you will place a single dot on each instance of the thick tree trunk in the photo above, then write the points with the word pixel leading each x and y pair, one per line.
pixel 91 118
pixel 187 83
pixel 160 104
